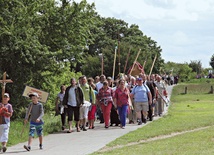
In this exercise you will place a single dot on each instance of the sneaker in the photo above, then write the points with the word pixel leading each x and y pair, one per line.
pixel 40 146
pixel 27 147
pixel 4 149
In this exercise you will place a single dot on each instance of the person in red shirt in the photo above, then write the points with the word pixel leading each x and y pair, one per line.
pixel 122 99
pixel 105 99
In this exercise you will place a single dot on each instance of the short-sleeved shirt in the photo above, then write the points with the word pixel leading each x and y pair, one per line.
pixel 72 97
pixel 105 94
pixel 140 93
pixel 9 107
pixel 122 96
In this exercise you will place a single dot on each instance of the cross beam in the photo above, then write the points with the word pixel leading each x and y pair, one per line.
pixel 4 82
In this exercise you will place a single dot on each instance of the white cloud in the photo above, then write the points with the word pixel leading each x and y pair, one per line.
pixel 183 28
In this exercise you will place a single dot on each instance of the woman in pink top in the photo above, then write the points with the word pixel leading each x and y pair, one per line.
pixel 122 101
pixel 105 100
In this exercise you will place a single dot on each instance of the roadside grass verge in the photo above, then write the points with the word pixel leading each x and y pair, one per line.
pixel 52 124
pixel 186 112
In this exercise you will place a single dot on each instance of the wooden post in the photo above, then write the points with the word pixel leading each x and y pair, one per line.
pixel 185 91
pixel 135 61
pixel 211 90
pixel 127 60
pixel 152 65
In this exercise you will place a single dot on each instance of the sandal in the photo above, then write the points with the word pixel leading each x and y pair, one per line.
pixel 78 129
pixel 69 131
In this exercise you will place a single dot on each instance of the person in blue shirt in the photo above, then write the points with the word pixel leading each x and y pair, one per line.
pixel 142 98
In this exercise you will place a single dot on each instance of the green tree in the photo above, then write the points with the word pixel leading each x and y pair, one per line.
pixel 196 66
pixel 212 61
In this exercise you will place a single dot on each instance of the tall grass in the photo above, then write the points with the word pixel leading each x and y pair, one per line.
pixel 52 124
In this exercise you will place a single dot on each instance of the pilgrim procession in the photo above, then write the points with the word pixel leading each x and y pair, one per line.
pixel 71 78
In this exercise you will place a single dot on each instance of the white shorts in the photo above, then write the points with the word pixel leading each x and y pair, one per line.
pixel 4 131
pixel 84 112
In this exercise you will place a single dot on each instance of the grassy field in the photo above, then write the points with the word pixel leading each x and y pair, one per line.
pixel 187 128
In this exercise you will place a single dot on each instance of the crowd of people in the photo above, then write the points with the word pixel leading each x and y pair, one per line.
pixel 127 99
pixel 134 98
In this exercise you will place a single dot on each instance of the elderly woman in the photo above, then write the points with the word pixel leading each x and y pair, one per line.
pixel 105 99
pixel 122 101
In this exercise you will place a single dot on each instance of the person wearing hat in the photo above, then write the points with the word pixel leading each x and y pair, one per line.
pixel 142 98
pixel 36 112
pixel 6 111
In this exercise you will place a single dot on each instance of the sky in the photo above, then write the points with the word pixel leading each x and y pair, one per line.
pixel 184 29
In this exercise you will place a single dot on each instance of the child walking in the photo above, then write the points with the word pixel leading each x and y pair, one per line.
pixel 6 112
pixel 36 112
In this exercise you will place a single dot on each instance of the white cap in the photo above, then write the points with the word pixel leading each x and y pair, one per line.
pixel 33 94
pixel 6 94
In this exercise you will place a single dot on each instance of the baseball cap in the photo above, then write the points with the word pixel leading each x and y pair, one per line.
pixel 33 94
pixel 6 94
pixel 139 79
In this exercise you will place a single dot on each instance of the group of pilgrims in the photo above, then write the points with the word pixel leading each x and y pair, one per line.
pixel 127 99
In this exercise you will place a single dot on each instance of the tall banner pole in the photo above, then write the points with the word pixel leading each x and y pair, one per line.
pixel 126 61
pixel 144 64
pixel 135 61
pixel 115 54
pixel 102 65
pixel 152 65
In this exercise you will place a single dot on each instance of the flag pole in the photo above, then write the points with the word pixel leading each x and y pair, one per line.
pixel 126 60
pixel 135 61
pixel 115 54
pixel 152 65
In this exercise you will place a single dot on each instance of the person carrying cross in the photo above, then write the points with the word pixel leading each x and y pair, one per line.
pixel 6 111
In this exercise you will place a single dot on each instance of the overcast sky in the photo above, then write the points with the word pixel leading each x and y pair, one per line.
pixel 183 28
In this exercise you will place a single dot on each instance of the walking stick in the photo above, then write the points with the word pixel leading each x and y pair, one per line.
pixel 162 98
pixel 27 119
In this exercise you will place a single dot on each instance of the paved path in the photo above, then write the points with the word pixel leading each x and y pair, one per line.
pixel 78 143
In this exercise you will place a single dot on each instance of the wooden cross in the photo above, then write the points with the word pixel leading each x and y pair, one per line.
pixel 4 82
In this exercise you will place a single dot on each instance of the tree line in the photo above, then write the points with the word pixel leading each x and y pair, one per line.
pixel 45 43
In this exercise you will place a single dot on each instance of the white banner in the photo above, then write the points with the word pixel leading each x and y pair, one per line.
pixel 43 96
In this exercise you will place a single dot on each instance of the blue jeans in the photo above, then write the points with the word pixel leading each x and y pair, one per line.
pixel 123 113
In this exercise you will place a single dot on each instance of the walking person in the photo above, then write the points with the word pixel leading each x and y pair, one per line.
pixel 59 108
pixel 73 100
pixel 105 99
pixel 36 112
pixel 142 98
pixel 152 88
pixel 122 99
pixel 89 97
pixel 92 109
pixel 6 111
pixel 159 108
pixel 132 113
